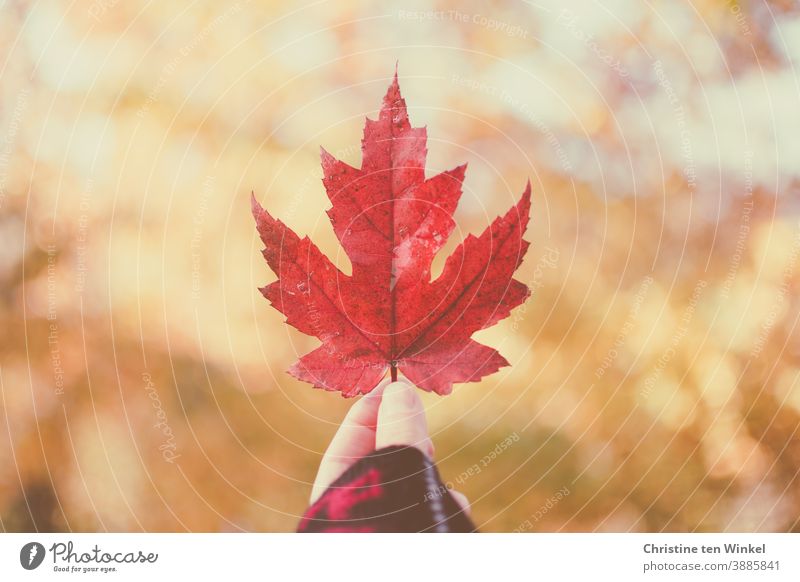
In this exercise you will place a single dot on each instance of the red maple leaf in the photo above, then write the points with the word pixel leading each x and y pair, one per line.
pixel 388 314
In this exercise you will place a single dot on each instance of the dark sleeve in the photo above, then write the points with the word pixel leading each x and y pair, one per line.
pixel 395 489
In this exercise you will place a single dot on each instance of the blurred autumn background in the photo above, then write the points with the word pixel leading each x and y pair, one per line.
pixel 655 377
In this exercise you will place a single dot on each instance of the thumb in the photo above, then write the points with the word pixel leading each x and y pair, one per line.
pixel 401 419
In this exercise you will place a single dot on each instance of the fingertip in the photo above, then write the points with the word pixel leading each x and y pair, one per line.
pixel 401 419
pixel 377 392
pixel 401 393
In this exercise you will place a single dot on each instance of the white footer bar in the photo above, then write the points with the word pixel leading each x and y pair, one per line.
pixel 331 557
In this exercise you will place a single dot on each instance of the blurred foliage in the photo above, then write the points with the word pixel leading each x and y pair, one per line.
pixel 654 371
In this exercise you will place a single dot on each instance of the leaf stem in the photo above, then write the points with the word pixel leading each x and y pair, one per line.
pixel 394 372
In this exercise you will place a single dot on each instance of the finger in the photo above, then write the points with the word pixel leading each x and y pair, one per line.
pixel 462 500
pixel 401 419
pixel 354 439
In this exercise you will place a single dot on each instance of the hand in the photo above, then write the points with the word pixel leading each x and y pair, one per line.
pixel 392 414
